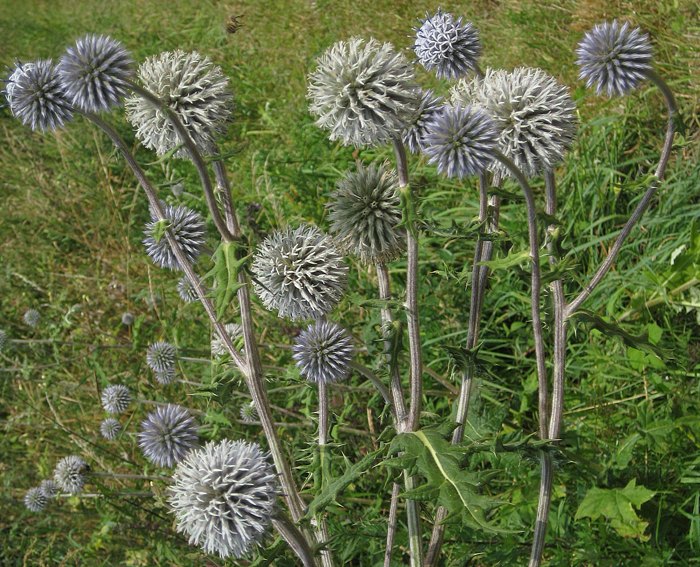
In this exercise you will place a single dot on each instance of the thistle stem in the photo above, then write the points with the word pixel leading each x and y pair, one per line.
pixel 126 475
pixel 392 523
pixel 323 420
pixel 295 539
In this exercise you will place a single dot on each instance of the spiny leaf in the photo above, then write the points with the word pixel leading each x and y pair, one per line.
pixel 159 229
pixel 512 259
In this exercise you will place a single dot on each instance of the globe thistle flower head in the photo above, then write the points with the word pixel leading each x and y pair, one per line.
pixel 31 317
pixel 614 58
pixel 195 89
pixel 248 413
pixel 447 46
pixel 365 214
pixel 161 357
pixel 323 353
pixel 218 348
pixel 127 319
pixel 167 435
pixel 363 92
pixel 533 113
pixel 70 474
pixel 110 428
pixel 49 488
pixel 95 72
pixel 3 339
pixel 35 500
pixel 223 496
pixel 299 272
pixel 36 97
pixel 166 377
pixel 186 226
pixel 186 290
pixel 116 399
pixel 414 135
pixel 461 141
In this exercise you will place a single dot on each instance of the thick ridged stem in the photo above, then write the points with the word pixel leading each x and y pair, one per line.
pixel 392 523
pixel 255 387
pixel 543 502
pixel 195 156
pixel 414 345
pixel 295 539
pixel 323 420
pixel 643 204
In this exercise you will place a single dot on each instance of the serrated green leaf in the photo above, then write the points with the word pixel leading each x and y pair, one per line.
pixel 512 259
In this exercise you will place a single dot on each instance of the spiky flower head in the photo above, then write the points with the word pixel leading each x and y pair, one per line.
pixel 461 141
pixel 110 428
pixel 186 290
pixel 365 214
pixel 323 352
pixel 218 348
pixel 31 317
pixel 49 488
pixel 127 319
pixel 166 377
pixel 70 473
pixel 363 92
pixel 195 89
pixel 533 113
pixel 116 398
pixel 186 226
pixel 447 46
pixel 161 357
pixel 414 135
pixel 36 97
pixel 299 273
pixel 223 496
pixel 167 434
pixel 3 339
pixel 95 72
pixel 614 58
pixel 248 413
pixel 35 500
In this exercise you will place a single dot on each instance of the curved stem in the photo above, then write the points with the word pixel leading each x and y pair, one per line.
pixel 376 382
pixel 641 207
pixel 294 539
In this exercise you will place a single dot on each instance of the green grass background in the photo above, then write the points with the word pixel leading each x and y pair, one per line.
pixel 71 219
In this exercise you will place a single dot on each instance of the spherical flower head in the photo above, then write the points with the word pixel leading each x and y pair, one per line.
pixel 533 113
pixel 35 500
pixel 218 348
pixel 3 340
pixel 95 72
pixel 70 473
pixel 186 226
pixel 447 46
pixel 186 290
pixel 127 319
pixel 36 97
pixel 116 398
pixel 110 428
pixel 614 58
pixel 31 317
pixel 461 141
pixel 299 272
pixel 195 89
pixel 49 488
pixel 166 377
pixel 248 413
pixel 161 357
pixel 365 214
pixel 167 435
pixel 323 353
pixel 414 135
pixel 363 92
pixel 223 496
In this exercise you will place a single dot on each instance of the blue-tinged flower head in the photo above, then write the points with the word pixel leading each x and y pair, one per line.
pixel 31 317
pixel 299 273
pixel 414 135
pixel 36 96
pixel 363 92
pixel 167 435
pixel 70 474
pixel 365 214
pixel 166 377
pixel 323 352
pixel 186 290
pixel 127 319
pixel 218 348
pixel 116 398
pixel 447 46
pixel 461 141
pixel 161 357
pixel 188 229
pixel 110 428
pixel 533 113
pixel 95 72
pixel 35 500
pixel 223 497
pixel 195 89
pixel 614 58
pixel 49 488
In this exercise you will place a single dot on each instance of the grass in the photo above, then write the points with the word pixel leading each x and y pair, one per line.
pixel 70 231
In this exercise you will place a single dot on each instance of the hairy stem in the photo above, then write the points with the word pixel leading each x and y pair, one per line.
pixel 295 539
pixel 392 523
pixel 323 420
